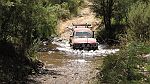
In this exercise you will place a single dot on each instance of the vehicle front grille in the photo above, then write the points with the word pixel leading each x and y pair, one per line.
pixel 83 45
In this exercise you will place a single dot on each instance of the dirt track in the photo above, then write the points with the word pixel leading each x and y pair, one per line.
pixel 86 16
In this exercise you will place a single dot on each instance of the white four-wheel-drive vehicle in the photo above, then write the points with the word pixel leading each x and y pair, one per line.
pixel 83 37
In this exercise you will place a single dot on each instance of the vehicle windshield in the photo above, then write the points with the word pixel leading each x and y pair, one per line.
pixel 83 34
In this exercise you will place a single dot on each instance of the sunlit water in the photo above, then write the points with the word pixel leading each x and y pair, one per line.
pixel 75 66
pixel 64 47
pixel 61 53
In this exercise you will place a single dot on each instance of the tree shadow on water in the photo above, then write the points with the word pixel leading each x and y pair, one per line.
pixel 15 66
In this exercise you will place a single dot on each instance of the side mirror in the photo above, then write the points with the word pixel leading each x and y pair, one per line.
pixel 71 36
pixel 93 34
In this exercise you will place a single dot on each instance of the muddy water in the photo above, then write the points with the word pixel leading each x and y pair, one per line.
pixel 70 66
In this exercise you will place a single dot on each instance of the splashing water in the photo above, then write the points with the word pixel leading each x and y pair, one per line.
pixel 64 46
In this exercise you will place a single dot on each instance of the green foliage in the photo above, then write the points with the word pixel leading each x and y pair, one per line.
pixel 67 7
pixel 118 35
pixel 118 12
pixel 128 65
pixel 73 6
pixel 104 8
pixel 22 24
pixel 113 13
pixel 125 67
pixel 116 9
pixel 139 21
pixel 61 11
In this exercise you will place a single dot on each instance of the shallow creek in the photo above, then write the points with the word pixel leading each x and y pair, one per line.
pixel 70 66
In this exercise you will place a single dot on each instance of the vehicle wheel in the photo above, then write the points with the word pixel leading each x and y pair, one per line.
pixel 73 47
pixel 96 48
pixel 86 48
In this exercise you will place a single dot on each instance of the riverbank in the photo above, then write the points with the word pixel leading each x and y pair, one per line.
pixel 64 65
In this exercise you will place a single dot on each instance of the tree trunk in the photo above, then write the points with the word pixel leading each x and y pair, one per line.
pixel 107 17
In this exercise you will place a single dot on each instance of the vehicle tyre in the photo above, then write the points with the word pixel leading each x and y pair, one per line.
pixel 96 48
pixel 73 47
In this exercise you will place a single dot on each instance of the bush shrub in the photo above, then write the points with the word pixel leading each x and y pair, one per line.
pixel 118 35
pixel 126 66
pixel 139 21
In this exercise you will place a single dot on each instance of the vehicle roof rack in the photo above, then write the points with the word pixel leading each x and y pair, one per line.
pixel 86 25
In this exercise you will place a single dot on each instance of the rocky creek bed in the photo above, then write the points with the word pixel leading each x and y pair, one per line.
pixel 63 65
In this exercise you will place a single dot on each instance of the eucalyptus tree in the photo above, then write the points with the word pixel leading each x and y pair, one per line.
pixel 104 8
pixel 115 15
